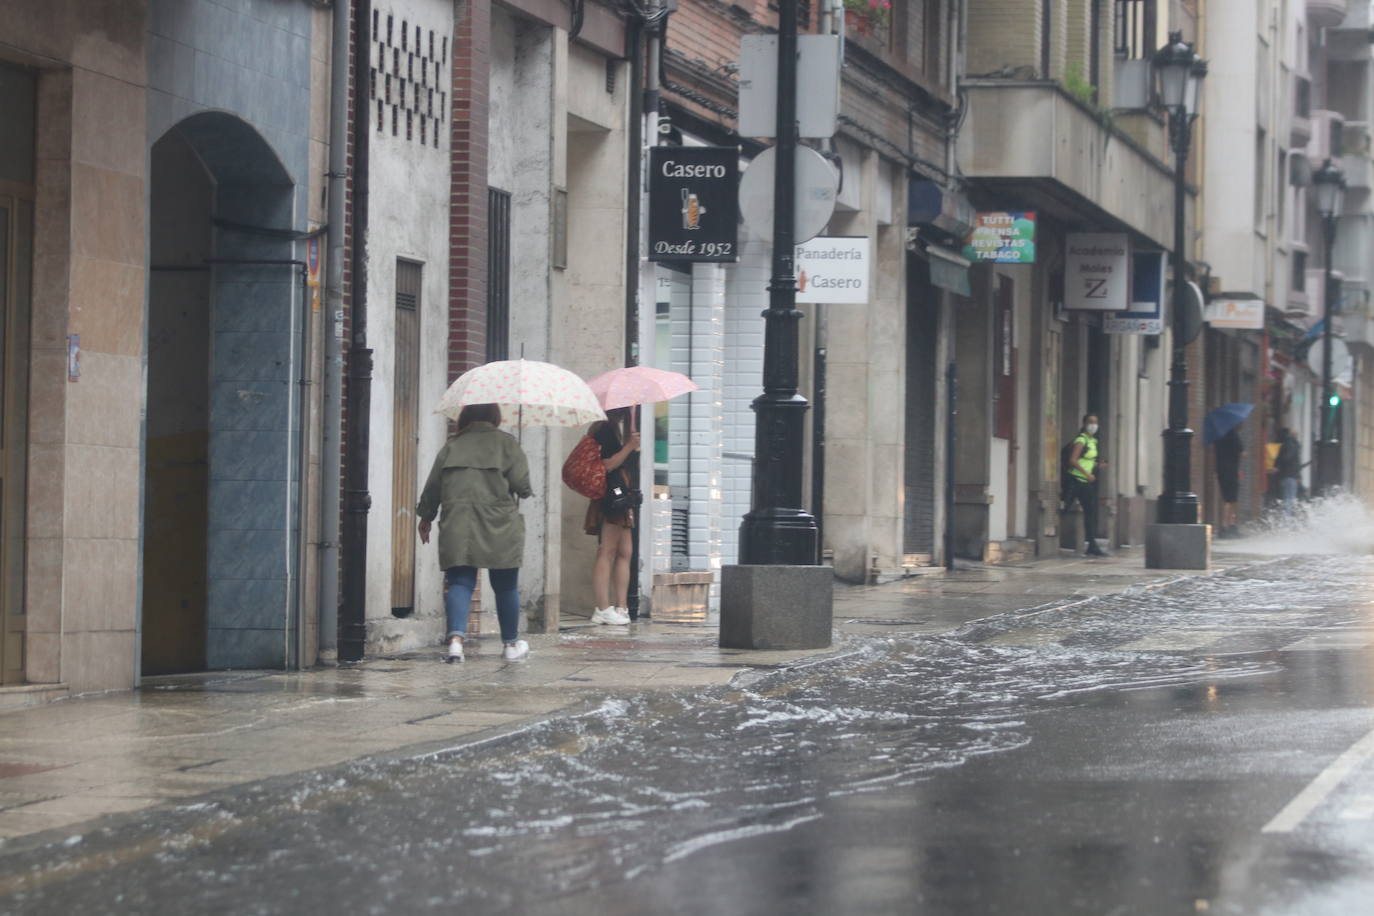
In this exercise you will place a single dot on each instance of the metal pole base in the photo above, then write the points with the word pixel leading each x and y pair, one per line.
pixel 778 536
pixel 1178 504
pixel 1327 478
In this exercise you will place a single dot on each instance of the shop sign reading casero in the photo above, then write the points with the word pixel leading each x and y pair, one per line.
pixel 693 203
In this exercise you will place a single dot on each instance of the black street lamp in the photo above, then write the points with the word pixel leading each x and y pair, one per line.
pixel 1178 74
pixel 777 531
pixel 1328 186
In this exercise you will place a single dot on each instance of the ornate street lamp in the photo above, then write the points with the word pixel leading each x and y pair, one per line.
pixel 776 530
pixel 1178 73
pixel 1328 187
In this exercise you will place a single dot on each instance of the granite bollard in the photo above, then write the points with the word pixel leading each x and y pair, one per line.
pixel 776 607
pixel 1175 546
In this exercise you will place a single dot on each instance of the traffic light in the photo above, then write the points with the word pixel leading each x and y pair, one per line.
pixel 1334 400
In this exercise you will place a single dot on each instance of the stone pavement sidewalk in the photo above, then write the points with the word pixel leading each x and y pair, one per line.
pixel 183 736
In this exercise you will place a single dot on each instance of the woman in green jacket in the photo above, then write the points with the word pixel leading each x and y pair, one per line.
pixel 478 479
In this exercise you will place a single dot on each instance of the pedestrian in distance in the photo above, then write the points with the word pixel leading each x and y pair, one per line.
pixel 478 479
pixel 1288 465
pixel 1081 478
pixel 613 528
pixel 1229 448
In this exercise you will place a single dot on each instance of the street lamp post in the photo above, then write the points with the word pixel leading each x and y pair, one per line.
pixel 1328 185
pixel 1179 73
pixel 776 530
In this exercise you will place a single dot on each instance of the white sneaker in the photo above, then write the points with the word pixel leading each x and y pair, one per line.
pixel 610 616
pixel 517 651
pixel 455 651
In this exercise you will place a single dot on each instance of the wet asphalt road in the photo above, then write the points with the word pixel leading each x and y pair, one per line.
pixel 1197 747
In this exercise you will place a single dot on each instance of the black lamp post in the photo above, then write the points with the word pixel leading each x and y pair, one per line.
pixel 1178 75
pixel 776 530
pixel 1328 186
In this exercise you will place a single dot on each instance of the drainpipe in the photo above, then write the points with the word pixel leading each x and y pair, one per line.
pixel 333 333
pixel 357 500
pixel 634 40
pixel 634 31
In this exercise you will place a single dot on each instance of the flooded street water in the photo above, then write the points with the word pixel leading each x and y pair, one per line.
pixel 1188 702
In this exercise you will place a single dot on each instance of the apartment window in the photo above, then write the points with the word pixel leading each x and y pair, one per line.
pixel 498 274
pixel 1281 195
pixel 1302 97
pixel 1095 46
pixel 931 45
pixel 1046 45
pixel 1299 282
pixel 405 429
pixel 1261 157
pixel 1135 29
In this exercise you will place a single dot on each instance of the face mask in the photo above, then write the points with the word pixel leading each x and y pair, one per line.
pixel 1091 428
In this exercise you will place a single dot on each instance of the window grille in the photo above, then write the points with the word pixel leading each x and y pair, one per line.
pixel 498 274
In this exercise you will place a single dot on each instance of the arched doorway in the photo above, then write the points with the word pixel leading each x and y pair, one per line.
pixel 220 515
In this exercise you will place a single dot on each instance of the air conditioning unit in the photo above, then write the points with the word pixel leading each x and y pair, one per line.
pixel 1326 139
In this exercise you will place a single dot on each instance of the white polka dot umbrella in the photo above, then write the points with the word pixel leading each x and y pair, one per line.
pixel 530 393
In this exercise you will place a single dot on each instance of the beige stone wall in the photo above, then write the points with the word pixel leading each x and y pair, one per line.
pixel 89 280
pixel 588 298
pixel 865 372
pixel 1361 420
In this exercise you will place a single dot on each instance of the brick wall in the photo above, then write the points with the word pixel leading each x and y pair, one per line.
pixel 467 337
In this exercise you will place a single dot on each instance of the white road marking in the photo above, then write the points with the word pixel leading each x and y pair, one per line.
pixel 1306 801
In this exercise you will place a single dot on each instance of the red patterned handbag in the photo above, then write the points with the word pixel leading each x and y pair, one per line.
pixel 584 472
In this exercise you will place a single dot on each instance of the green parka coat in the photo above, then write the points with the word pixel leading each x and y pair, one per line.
pixel 476 480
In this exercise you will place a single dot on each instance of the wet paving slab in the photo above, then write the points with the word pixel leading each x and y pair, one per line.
pixel 848 758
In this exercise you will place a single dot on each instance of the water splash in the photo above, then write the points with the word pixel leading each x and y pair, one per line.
pixel 1340 524
pixel 638 782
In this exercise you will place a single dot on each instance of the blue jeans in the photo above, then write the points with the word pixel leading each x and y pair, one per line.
pixel 459 582
pixel 1288 492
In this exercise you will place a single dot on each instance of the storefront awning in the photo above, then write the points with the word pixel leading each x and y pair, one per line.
pixel 949 271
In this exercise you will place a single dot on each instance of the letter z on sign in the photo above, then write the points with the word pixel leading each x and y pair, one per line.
pixel 1094 288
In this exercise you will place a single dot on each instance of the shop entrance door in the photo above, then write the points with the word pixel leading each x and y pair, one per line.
pixel 16 220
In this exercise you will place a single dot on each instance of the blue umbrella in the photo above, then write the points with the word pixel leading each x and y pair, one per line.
pixel 1221 420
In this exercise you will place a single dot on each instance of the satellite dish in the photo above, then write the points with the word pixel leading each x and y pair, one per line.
pixel 817 184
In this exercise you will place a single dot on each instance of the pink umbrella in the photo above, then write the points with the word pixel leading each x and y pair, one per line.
pixel 633 385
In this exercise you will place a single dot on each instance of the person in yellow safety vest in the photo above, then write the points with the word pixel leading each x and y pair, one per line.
pixel 1083 467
